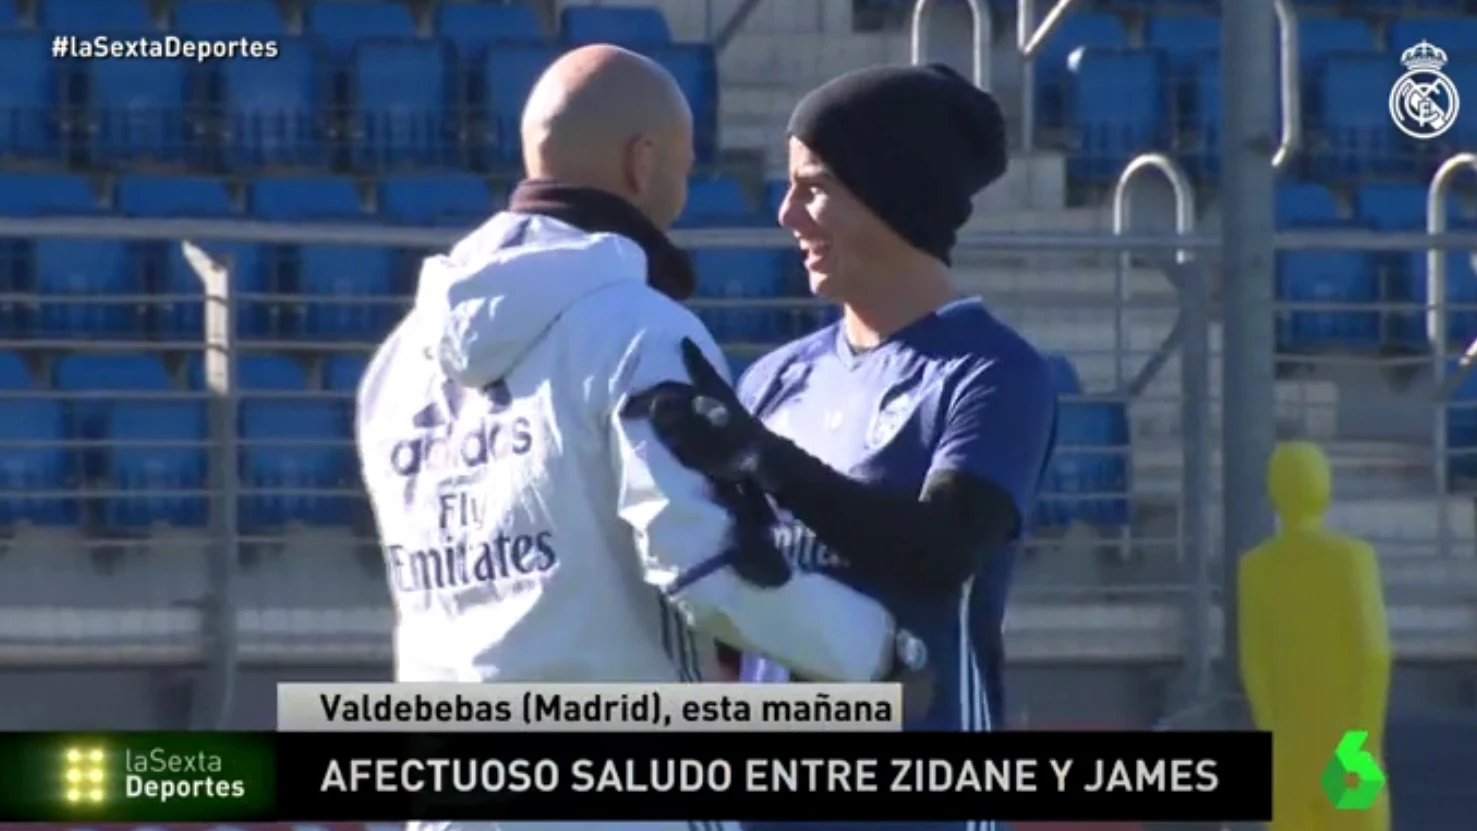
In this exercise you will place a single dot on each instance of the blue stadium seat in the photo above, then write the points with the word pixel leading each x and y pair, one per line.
pixel 456 199
pixel 1327 277
pixel 472 27
pixel 180 312
pixel 1300 203
pixel 87 270
pixel 28 98
pixel 155 484
pixel 99 382
pixel 341 375
pixel 38 467
pixel 1117 109
pixel 1398 207
pixel 298 198
pixel 329 275
pixel 137 112
pixel 290 449
pixel 1462 136
pixel 400 105
pixel 172 196
pixel 1358 140
pixel 732 276
pixel 229 19
pixel 1319 37
pixel 254 374
pixel 94 17
pixel 1408 327
pixel 507 75
pixel 273 112
pixel 1204 117
pixel 1074 32
pixel 1089 472
pixel 14 374
pixel 46 194
pixel 342 27
pixel 8 16
pixel 1453 34
pixel 1461 428
pixel 1183 39
pixel 717 201
pixel 774 196
pixel 634 27
pixel 695 67
pixel 1052 511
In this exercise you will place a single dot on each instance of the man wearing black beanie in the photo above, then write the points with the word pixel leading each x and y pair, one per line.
pixel 904 445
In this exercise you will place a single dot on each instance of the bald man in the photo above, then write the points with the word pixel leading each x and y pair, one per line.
pixel 533 530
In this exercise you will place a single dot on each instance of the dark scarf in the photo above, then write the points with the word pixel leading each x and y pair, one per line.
pixel 668 268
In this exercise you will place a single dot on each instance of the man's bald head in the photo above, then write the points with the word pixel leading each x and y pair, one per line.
pixel 605 117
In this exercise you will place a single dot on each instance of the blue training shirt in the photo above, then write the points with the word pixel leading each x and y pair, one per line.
pixel 957 390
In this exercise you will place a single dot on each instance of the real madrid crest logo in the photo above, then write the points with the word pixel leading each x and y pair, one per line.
pixel 1424 102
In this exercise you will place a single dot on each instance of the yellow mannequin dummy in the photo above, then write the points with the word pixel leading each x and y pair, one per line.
pixel 1315 645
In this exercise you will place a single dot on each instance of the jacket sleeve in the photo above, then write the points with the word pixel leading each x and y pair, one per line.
pixel 813 625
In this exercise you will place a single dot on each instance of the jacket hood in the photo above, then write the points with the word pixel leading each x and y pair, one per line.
pixel 485 304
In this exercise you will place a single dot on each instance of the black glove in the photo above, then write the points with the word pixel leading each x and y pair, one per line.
pixel 702 422
pixel 754 557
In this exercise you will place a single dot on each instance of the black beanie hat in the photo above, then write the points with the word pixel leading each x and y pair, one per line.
pixel 914 143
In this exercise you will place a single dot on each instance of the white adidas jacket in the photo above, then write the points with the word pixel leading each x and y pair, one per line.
pixel 529 530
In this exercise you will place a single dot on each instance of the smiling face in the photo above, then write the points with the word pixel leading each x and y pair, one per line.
pixel 838 235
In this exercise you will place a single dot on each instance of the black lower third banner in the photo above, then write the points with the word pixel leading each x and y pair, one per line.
pixel 161 778
pixel 783 776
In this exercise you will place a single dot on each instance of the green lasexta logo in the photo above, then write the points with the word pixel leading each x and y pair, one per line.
pixel 1350 759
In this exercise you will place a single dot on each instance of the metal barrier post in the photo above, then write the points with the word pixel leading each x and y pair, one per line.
pixel 983 33
pixel 1289 82
pixel 1030 36
pixel 1438 332
pixel 1191 335
pixel 219 609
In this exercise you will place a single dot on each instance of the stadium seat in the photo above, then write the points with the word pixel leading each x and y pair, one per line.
pixel 8 16
pixel 1299 203
pixel 1051 510
pixel 330 278
pixel 95 17
pixel 507 75
pixel 695 67
pixel 1117 105
pixel 155 484
pixel 716 202
pixel 1358 141
pixel 180 313
pixel 137 112
pixel 273 114
pixel 299 198
pixel 341 375
pixel 726 279
pixel 472 27
pixel 400 105
pixel 634 27
pixel 1345 278
pixel 774 196
pixel 1398 207
pixel 1461 428
pixel 341 27
pixel 255 373
pixel 456 199
pixel 97 382
pixel 46 194
pixel 14 374
pixel 1453 34
pixel 172 196
pixel 292 448
pixel 1183 39
pixel 1203 110
pixel 38 471
pixel 229 19
pixel 28 98
pixel 71 270
pixel 1409 289
pixel 1074 32
pixel 1319 37
pixel 1089 471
